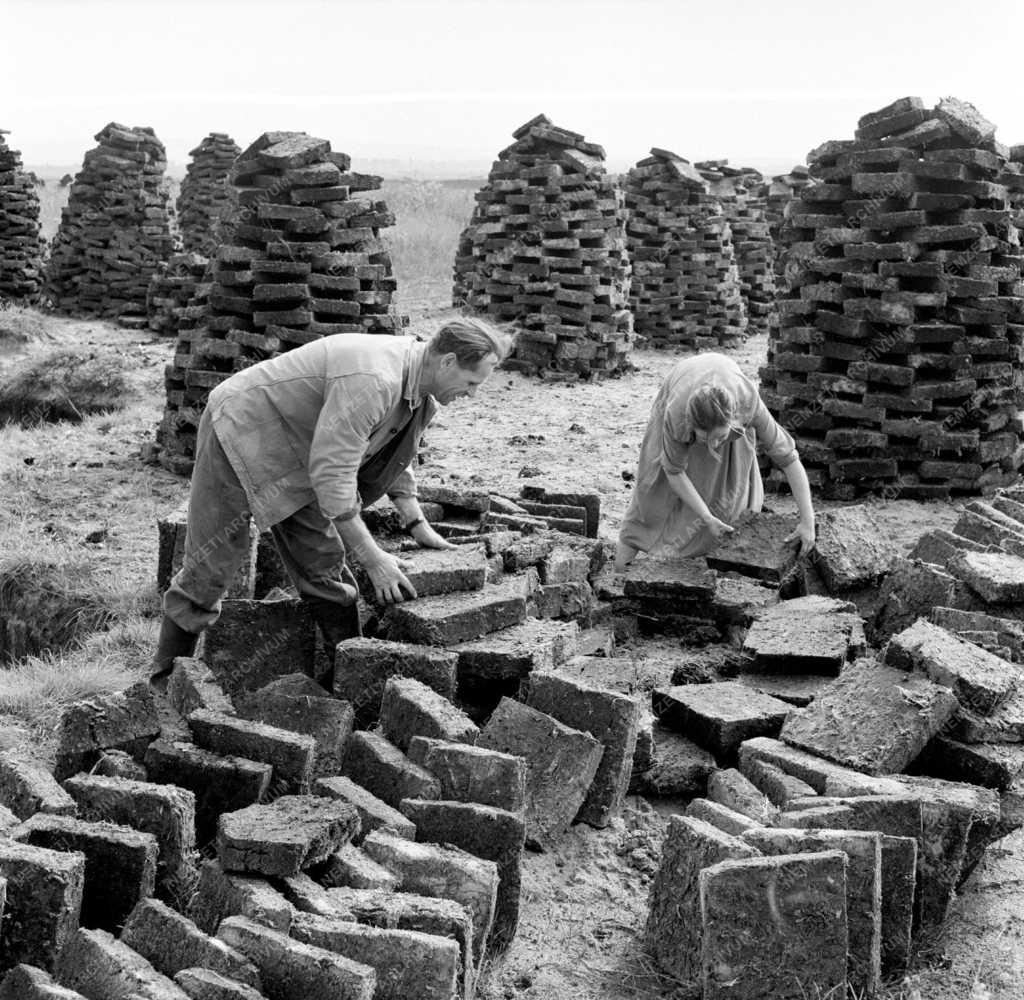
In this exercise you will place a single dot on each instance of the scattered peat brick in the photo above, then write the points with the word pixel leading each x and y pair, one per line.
pixel 408 963
pixel 445 873
pixel 938 546
pixel 446 571
pixel 863 850
pixel 678 767
pixel 492 834
pixel 591 502
pixel 465 501
pixel 204 984
pixel 452 618
pixel 26 788
pixel 909 592
pixel 254 642
pixel 560 765
pixel 774 927
pixel 991 765
pixel 563 565
pixel 362 667
pixel 44 900
pixel 851 551
pixel 980 680
pixel 384 771
pixel 996 577
pixel 735 791
pixel 779 787
pixel 725 819
pixel 118 764
pixel 349 867
pixel 739 600
pixel 719 716
pixel 220 783
pixel 290 754
pixel 872 718
pixel 610 717
pixel 373 812
pixel 1004 725
pixel 1009 633
pixel 290 968
pixel 306 895
pixel 25 982
pixel 471 773
pixel 192 685
pixel 97 964
pixel 171 942
pixel 282 838
pixel 673 930
pixel 672 577
pixel 120 863
pixel 798 690
pixel 804 635
pixel 409 708
pixel 757 548
pixel 223 894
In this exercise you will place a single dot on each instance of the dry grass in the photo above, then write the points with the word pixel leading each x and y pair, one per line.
pixel 20 326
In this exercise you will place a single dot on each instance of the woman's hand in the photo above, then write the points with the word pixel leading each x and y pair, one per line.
pixel 390 584
pixel 804 534
pixel 716 527
pixel 427 538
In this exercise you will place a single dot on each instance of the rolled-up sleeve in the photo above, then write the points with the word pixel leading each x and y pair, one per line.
pixel 404 484
pixel 353 406
pixel 774 440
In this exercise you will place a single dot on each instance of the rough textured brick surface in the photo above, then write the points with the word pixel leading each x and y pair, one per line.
pixel 591 502
pixel 291 833
pixel 678 766
pixel 120 863
pixel 430 870
pixel 873 718
pixel 560 765
pixel 851 551
pixel 408 963
pixel 796 689
pixel 165 811
pixel 447 571
pixel 193 685
pixel 779 787
pixel 667 577
pixel 97 964
pixel 25 982
pixel 774 927
pixel 1004 725
pixel 349 867
pixel 384 771
pixel 757 547
pixel 734 791
pixel 471 773
pixel 290 968
pixel 719 716
pixel 863 850
pixel 492 834
pixel 373 812
pixel 610 717
pixel 673 930
pixel 990 765
pixel 980 680
pixel 725 819
pixel 804 635
pixel 305 894
pixel 254 642
pixel 223 894
pixel 44 899
pixel 909 592
pixel 409 708
pixel 362 666
pixel 26 787
pixel 171 942
pixel 452 618
pixel 290 754
pixel 202 984
pixel 220 783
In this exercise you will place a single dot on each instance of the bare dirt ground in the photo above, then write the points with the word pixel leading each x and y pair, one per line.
pixel 583 905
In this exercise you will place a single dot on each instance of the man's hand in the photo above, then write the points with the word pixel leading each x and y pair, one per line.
pixel 716 527
pixel 804 535
pixel 427 538
pixel 390 584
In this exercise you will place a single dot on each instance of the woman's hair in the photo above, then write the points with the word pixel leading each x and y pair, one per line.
pixel 711 407
pixel 471 340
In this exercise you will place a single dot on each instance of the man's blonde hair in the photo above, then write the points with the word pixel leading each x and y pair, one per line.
pixel 711 407
pixel 471 340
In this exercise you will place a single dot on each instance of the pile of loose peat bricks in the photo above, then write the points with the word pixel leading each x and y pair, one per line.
pixel 685 289
pixel 295 822
pixel 546 250
pixel 21 248
pixel 302 258
pixel 899 360
pixel 115 229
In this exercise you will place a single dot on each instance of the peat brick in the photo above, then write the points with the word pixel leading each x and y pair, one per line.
pixel 26 788
pixel 996 577
pixel 798 690
pixel 756 548
pixel 25 982
pixel 910 591
pixel 678 767
pixel 779 787
pixel 97 964
pixel 409 708
pixel 851 551
pixel 591 502
pixel 804 635
pixel 447 571
pixel 193 685
pixel 384 771
pixel 514 652
pixel 223 894
pixel 991 765
pixel 471 773
pixel 725 819
pixel 735 791
pixel 374 813
pixel 670 577
pixel 349 867
pixel 204 984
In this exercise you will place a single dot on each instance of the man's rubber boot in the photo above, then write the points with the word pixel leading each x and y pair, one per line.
pixel 337 622
pixel 174 641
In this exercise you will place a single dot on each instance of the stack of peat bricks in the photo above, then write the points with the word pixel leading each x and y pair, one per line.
pixel 174 293
pixel 464 290
pixel 549 254
pixel 848 773
pixel 685 290
pixel 261 833
pixel 115 229
pixel 741 191
pixel 21 248
pixel 899 360
pixel 204 200
pixel 302 258
pixel 781 190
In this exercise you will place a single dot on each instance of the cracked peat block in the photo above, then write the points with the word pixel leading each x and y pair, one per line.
pixel 720 716
pixel 289 834
pixel 383 770
pixel 560 765
pixel 774 927
pixel 872 718
pixel 410 708
pixel 471 773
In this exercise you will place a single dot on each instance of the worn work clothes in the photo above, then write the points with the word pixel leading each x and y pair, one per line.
pixel 298 428
pixel 354 421
pixel 728 480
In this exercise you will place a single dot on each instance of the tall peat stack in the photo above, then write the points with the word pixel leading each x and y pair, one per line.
pixel 898 366
pixel 173 293
pixel 549 254
pixel 302 258
pixel 205 195
pixel 21 247
pixel 114 230
pixel 685 290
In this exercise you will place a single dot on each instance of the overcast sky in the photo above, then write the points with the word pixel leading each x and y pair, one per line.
pixel 448 80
